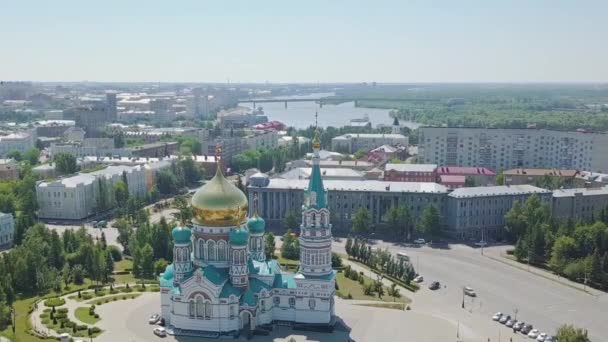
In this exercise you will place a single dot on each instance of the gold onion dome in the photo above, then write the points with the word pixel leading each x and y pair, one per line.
pixel 219 203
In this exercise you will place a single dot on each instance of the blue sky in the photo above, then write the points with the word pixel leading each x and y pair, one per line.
pixel 305 41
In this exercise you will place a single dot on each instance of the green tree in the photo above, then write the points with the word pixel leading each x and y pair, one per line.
pixel 167 182
pixel 32 156
pixel 65 163
pixel 16 155
pixel 159 266
pixel 192 172
pixel 564 249
pixel 394 292
pixel 360 153
pixel 500 179
pixel 398 221
pixel 290 221
pixel 469 182
pixel 430 222
pixel 121 193
pixel 291 246
pixel 569 333
pixel 147 262
pixel 349 246
pixel 361 221
pixel 269 245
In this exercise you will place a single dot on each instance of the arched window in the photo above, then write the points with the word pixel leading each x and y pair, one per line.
pixel 200 307
pixel 314 219
pixel 200 249
pixel 191 308
pixel 232 312
pixel 211 249
pixel 208 310
pixel 205 256
pixel 221 250
pixel 311 304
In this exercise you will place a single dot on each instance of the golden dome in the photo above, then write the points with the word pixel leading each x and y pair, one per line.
pixel 219 203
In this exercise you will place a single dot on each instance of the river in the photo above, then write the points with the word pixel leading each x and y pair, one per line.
pixel 302 114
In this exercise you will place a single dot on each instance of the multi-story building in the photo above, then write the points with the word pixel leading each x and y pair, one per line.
pixel 233 145
pixel 353 142
pixel 155 150
pixel 503 148
pixel 565 178
pixel 20 142
pixel 111 108
pixel 479 212
pixel 9 170
pixel 278 197
pixel 481 176
pixel 587 179
pixel 78 197
pixel 579 204
pixel 7 229
pixel 93 118
pixel 53 128
pixel 410 172
pixel 79 150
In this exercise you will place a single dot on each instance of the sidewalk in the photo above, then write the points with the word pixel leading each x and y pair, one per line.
pixel 499 255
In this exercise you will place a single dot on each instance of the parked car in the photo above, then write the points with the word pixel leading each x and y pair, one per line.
pixel 533 333
pixel 481 243
pixel 510 323
pixel 497 316
pixel 526 329
pixel 419 279
pixel 161 322
pixel 542 337
pixel 549 339
pixel 101 224
pixel 434 285
pixel 154 318
pixel 517 326
pixel 419 241
pixel 504 319
pixel 160 331
pixel 469 291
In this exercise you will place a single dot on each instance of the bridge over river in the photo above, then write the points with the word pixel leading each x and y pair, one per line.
pixel 330 100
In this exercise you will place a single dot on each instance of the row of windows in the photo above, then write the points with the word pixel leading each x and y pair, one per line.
pixel 211 250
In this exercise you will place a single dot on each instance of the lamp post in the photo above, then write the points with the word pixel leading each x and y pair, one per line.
pixel 463 297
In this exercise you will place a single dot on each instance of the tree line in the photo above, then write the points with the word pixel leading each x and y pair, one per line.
pixel 398 221
pixel 46 261
pixel 576 250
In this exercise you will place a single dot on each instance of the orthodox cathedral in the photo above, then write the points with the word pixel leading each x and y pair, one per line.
pixel 220 282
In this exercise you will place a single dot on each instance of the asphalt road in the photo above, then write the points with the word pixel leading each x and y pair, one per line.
pixel 544 303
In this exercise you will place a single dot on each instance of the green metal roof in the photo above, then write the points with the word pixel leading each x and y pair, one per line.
pixel 229 290
pixel 284 281
pixel 166 278
pixel 257 285
pixel 249 298
pixel 330 276
pixel 239 236
pixel 256 224
pixel 215 275
pixel 181 234
pixel 264 267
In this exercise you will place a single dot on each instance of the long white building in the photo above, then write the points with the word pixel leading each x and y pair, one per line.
pixel 78 196
pixel 20 142
pixel 353 142
pixel 503 148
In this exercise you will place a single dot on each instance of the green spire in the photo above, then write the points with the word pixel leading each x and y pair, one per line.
pixel 316 192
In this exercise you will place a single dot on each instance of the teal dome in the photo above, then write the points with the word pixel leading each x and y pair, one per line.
pixel 239 237
pixel 181 234
pixel 256 224
pixel 168 274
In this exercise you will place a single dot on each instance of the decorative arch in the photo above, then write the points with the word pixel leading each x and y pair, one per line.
pixel 221 250
pixel 200 251
pixel 247 319
pixel 211 250
pixel 200 306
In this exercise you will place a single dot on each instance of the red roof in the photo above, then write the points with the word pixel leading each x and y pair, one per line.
pixel 465 171
pixel 451 179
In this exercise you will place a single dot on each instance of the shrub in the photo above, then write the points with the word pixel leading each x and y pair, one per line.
pixel 124 297
pixel 115 253
pixel 62 310
pixel 95 330
pixel 81 327
pixel 96 315
pixel 349 296
pixel 361 280
pixel 55 301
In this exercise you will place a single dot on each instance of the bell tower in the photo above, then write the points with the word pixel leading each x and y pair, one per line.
pixel 315 230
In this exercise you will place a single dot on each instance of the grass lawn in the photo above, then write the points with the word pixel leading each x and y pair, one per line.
pixel 288 264
pixel 355 289
pixel 82 314
pixel 123 265
pixel 110 299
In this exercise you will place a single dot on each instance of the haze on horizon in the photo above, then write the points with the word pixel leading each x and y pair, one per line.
pixel 310 41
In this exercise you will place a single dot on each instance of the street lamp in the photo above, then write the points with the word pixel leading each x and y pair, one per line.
pixel 463 297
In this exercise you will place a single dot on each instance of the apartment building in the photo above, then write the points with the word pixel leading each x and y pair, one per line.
pixel 503 148
pixel 353 142
pixel 19 141
pixel 78 197
pixel 9 170
pixel 579 204
pixel 477 211
pixel 278 197
pixel 531 176
pixel 410 172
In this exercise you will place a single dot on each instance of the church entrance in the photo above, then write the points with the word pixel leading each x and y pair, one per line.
pixel 247 322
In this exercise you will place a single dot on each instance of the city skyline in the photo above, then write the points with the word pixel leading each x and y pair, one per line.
pixel 393 42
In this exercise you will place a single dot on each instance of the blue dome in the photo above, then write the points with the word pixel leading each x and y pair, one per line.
pixel 181 234
pixel 256 224
pixel 239 237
